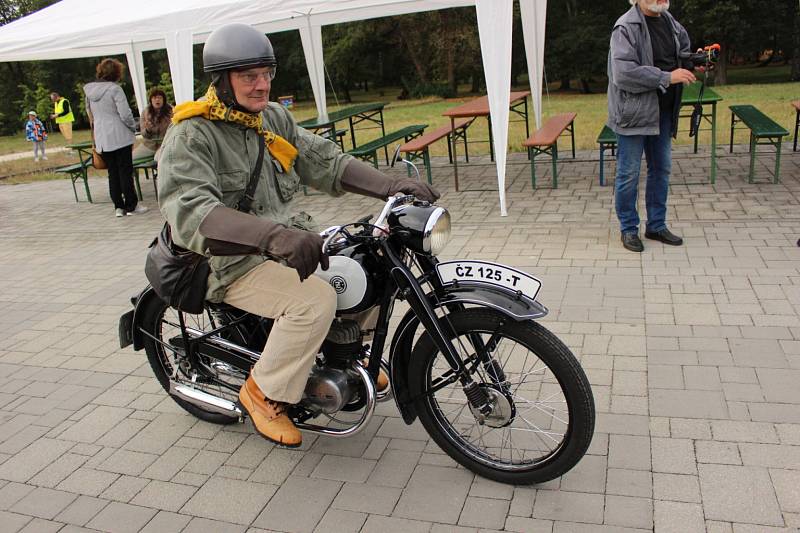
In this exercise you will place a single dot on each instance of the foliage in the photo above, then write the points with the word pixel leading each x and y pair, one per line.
pixel 165 84
pixel 577 38
pixel 421 90
pixel 37 99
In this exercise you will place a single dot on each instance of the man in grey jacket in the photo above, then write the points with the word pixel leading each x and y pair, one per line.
pixel 646 72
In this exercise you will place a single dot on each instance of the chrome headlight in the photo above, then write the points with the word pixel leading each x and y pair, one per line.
pixel 437 231
pixel 423 228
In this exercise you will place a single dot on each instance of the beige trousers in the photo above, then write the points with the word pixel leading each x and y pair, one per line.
pixel 66 130
pixel 303 313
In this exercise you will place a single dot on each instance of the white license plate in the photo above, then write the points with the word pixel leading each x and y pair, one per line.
pixel 491 273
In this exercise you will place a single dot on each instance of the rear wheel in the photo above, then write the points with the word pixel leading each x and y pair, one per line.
pixel 166 360
pixel 542 417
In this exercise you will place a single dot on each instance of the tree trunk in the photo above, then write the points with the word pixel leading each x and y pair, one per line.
pixel 476 82
pixel 416 60
pixel 448 43
pixel 796 48
pixel 585 89
pixel 721 76
pixel 345 85
pixel 566 84
pixel 452 82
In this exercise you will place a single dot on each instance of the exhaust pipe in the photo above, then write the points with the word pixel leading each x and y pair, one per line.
pixel 204 400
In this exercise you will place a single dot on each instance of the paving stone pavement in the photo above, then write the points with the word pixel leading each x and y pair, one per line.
pixel 693 353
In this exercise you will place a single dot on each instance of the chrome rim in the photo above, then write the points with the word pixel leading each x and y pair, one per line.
pixel 540 424
pixel 177 366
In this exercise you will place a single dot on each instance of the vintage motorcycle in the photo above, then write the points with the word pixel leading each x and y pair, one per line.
pixel 495 390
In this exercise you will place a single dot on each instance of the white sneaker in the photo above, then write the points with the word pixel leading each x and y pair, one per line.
pixel 119 212
pixel 36 158
pixel 44 158
pixel 139 209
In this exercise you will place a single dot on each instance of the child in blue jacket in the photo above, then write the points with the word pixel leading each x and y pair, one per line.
pixel 35 132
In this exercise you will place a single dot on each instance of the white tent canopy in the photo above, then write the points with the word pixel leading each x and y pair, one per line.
pixel 86 28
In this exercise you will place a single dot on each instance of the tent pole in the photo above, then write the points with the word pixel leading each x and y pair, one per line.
pixel 495 19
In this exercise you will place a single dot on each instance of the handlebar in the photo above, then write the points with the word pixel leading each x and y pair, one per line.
pixel 330 234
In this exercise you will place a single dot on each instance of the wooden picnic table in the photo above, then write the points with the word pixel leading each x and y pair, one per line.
pixel 691 97
pixel 83 148
pixel 79 170
pixel 354 115
pixel 148 165
pixel 479 107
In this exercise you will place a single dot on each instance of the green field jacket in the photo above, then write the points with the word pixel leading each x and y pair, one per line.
pixel 206 163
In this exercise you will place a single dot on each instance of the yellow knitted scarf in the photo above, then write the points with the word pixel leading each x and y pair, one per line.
pixel 212 108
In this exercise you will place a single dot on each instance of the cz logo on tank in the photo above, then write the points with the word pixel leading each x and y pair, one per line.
pixel 339 284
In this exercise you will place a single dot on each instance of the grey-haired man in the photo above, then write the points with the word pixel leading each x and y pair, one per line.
pixel 646 74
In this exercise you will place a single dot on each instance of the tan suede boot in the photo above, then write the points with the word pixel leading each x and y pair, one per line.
pixel 382 382
pixel 269 417
pixel 383 378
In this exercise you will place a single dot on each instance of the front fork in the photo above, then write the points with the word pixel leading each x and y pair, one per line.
pixel 412 292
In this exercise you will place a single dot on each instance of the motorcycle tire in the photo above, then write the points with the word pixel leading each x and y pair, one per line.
pixel 560 372
pixel 153 314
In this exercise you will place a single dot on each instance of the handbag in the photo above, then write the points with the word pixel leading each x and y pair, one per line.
pixel 177 275
pixel 97 160
pixel 180 276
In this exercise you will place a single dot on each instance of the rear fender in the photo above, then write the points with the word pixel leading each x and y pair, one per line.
pixel 140 303
pixel 515 306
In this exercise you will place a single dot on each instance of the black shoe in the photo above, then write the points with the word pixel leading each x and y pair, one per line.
pixel 632 242
pixel 665 236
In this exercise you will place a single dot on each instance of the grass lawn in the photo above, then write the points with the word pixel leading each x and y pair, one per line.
pixel 749 74
pixel 11 144
pixel 772 98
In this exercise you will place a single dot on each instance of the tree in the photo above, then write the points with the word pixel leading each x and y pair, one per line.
pixel 577 39
pixel 744 28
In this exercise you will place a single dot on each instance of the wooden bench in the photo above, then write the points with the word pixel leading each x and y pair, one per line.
pixel 335 136
pixel 147 165
pixel 761 127
pixel 417 148
pixel 78 171
pixel 796 106
pixel 369 151
pixel 607 140
pixel 545 141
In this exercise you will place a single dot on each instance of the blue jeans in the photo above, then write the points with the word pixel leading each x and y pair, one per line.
pixel 658 150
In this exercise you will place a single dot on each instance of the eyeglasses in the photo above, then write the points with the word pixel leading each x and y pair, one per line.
pixel 251 78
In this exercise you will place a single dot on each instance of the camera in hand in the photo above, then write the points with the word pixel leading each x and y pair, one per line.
pixel 707 56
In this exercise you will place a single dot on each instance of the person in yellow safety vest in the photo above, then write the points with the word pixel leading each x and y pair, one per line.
pixel 62 114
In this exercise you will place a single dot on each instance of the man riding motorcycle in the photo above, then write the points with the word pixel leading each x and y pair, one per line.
pixel 261 261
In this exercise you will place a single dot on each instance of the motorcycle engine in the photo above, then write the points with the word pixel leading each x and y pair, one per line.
pixel 332 383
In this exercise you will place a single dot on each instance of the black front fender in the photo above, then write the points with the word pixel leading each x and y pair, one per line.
pixel 515 306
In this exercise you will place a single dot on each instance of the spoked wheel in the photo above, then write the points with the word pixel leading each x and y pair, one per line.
pixel 542 417
pixel 168 361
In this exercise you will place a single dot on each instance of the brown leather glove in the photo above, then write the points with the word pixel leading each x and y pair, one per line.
pixel 302 250
pixel 231 232
pixel 419 189
pixel 360 178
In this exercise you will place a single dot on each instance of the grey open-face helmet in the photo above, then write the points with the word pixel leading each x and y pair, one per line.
pixel 232 47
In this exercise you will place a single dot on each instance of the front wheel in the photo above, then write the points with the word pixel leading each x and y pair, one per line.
pixel 542 417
